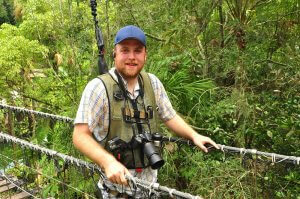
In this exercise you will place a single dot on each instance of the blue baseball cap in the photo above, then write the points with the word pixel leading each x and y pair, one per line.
pixel 130 32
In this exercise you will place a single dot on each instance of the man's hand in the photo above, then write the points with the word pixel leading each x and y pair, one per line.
pixel 181 128
pixel 84 141
pixel 116 172
pixel 200 141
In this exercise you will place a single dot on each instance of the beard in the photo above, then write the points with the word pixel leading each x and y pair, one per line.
pixel 129 73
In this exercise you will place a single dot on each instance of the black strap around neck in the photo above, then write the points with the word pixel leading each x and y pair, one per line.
pixel 132 101
pixel 123 88
pixel 121 84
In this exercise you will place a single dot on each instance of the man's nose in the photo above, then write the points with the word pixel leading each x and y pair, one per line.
pixel 131 55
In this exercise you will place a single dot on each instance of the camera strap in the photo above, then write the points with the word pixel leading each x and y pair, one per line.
pixel 136 113
pixel 134 106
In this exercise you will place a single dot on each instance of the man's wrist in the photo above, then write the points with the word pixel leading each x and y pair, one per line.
pixel 194 135
pixel 106 160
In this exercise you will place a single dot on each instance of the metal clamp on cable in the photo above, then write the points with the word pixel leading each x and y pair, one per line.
pixel 242 151
pixel 273 158
pixel 254 151
pixel 171 192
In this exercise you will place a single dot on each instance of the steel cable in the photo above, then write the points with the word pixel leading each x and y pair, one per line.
pixel 81 163
pixel 276 158
pixel 49 177
pixel 42 114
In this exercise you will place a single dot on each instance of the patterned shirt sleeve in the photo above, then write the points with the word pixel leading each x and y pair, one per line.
pixel 165 109
pixel 93 108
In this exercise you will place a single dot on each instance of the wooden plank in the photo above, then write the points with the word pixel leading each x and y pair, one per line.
pixel 20 195
pixel 4 182
pixel 6 188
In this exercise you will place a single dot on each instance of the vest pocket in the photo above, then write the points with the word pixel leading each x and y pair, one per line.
pixel 131 159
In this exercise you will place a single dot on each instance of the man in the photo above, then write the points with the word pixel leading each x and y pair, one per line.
pixel 120 106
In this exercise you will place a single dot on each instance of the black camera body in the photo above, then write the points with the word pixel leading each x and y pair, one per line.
pixel 117 144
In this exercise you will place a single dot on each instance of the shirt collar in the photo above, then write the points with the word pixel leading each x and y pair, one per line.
pixel 136 87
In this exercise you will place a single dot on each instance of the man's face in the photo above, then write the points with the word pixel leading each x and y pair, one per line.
pixel 130 57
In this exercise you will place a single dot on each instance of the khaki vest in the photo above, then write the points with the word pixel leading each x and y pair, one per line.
pixel 118 127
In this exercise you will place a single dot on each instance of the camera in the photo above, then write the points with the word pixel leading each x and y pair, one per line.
pixel 150 145
pixel 116 144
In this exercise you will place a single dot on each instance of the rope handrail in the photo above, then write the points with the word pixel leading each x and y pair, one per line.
pixel 224 148
pixel 42 114
pixel 276 158
pixel 81 163
pixel 47 176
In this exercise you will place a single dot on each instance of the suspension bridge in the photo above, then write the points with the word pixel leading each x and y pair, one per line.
pixel 22 156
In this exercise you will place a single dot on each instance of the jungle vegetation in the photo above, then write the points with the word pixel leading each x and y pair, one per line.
pixel 230 67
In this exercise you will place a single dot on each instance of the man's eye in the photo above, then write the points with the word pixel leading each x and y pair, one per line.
pixel 125 50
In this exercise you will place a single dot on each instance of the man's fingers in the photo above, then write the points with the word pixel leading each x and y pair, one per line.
pixel 112 179
pixel 123 179
pixel 203 148
pixel 211 143
pixel 119 178
pixel 127 172
pixel 118 181
pixel 215 145
pixel 116 172
pixel 115 178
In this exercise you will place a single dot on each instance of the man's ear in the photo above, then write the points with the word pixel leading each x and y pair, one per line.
pixel 113 54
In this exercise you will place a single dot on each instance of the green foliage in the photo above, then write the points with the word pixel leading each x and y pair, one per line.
pixel 6 11
pixel 176 74
pixel 214 176
pixel 231 67
pixel 18 57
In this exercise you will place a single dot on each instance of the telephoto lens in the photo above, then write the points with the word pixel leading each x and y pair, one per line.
pixel 153 155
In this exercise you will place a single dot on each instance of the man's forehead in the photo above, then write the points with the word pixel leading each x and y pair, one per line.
pixel 131 42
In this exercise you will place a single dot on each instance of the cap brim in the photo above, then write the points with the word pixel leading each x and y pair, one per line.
pixel 131 38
